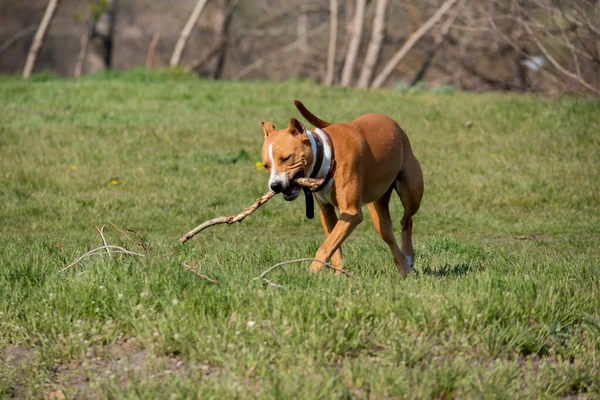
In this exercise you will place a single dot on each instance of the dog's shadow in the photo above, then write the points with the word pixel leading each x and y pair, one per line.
pixel 459 269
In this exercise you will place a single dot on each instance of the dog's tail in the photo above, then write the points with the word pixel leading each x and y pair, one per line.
pixel 310 117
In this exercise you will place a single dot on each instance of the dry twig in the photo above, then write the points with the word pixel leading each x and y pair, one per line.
pixel 271 283
pixel 101 233
pixel 187 267
pixel 141 245
pixel 306 182
pixel 98 250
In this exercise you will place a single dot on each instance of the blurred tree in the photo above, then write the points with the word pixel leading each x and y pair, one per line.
pixel 355 37
pixel 186 31
pixel 39 38
pixel 333 27
pixel 374 49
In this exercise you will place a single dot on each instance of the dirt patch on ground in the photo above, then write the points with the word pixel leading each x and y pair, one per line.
pixel 14 356
pixel 14 359
pixel 121 363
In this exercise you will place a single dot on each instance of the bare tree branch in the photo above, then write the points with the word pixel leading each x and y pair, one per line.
pixel 412 40
pixel 223 39
pixel 83 49
pixel 439 41
pixel 556 64
pixel 357 27
pixel 16 37
pixel 374 49
pixel 152 50
pixel 186 31
pixel 263 60
pixel 39 38
pixel 333 27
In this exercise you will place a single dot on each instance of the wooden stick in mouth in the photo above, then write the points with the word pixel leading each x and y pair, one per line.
pixel 304 182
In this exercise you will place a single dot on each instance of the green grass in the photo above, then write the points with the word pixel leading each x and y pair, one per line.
pixel 504 301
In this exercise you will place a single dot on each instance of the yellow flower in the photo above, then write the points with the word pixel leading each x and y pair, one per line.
pixel 259 165
pixel 206 167
pixel 114 181
pixel 73 167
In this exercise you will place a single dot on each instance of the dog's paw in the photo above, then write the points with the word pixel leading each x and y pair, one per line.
pixel 315 267
pixel 410 261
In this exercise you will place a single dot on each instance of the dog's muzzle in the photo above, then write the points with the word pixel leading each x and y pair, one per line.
pixel 291 191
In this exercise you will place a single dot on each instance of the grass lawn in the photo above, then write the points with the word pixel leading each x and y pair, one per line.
pixel 504 301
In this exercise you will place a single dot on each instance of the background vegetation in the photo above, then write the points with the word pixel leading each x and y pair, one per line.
pixel 503 302
pixel 541 46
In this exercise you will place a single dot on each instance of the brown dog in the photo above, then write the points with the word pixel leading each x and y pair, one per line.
pixel 362 162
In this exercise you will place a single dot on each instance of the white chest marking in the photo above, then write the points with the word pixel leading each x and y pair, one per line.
pixel 324 194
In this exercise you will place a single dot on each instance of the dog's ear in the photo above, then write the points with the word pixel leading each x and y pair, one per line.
pixel 267 128
pixel 296 127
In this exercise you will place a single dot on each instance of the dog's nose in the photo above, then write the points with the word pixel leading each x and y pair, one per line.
pixel 276 186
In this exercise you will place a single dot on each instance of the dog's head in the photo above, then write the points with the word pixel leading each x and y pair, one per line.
pixel 286 155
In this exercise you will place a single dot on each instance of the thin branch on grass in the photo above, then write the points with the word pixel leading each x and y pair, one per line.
pixel 187 267
pixel 251 370
pixel 271 283
pixel 198 244
pixel 98 250
pixel 306 182
pixel 101 233
pixel 140 245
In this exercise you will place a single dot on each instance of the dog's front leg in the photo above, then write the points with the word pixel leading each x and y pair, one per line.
pixel 349 219
pixel 328 220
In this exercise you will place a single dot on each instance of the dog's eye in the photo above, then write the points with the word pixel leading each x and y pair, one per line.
pixel 266 166
pixel 284 159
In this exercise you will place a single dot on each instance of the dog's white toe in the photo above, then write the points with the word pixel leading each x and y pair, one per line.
pixel 410 261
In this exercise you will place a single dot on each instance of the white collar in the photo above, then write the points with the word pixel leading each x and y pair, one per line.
pixel 326 164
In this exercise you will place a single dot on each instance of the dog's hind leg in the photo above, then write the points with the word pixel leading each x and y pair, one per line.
pixel 380 214
pixel 328 220
pixel 409 186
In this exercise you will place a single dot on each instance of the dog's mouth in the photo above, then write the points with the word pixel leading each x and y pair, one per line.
pixel 293 191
